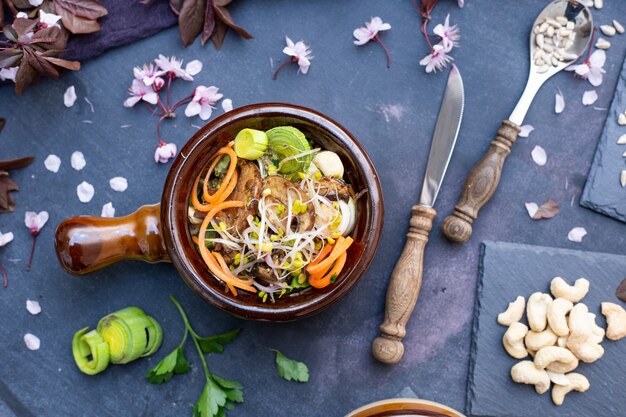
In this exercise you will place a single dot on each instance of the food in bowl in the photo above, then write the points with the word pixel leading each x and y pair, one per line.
pixel 271 213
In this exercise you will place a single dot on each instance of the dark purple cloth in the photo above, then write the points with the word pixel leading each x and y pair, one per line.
pixel 127 21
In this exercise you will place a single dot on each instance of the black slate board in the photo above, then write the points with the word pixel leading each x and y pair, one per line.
pixel 603 191
pixel 508 270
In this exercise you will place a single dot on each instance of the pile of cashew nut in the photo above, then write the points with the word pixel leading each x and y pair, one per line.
pixel 562 333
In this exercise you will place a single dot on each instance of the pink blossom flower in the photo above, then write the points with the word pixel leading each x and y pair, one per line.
pixel 173 67
pixel 436 60
pixel 203 102
pixel 370 31
pixel 158 83
pixel 139 91
pixel 147 74
pixel 449 35
pixel 300 52
pixel 4 239
pixel 47 20
pixel 591 69
pixel 8 73
pixel 164 152
pixel 34 222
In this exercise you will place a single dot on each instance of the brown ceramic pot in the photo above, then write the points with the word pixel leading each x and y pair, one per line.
pixel 160 232
pixel 405 407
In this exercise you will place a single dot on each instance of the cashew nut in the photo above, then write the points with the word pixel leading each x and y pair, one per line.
pixel 525 372
pixel 537 311
pixel 513 340
pixel 557 378
pixel 580 340
pixel 573 293
pixel 563 367
pixel 556 316
pixel 577 382
pixel 615 320
pixel 537 340
pixel 597 332
pixel 550 354
pixel 513 313
pixel 561 341
pixel 329 164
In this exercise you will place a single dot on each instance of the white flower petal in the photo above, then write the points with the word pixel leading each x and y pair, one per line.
pixel 35 221
pixel 227 105
pixel 192 109
pixel 119 184
pixel 69 98
pixel 108 210
pixel 33 307
pixel 595 77
pixel 559 103
pixel 193 67
pixel 78 160
pixel 525 130
pixel 85 192
pixel 52 163
pixel 35 3
pixel 531 208
pixel 590 97
pixel 32 342
pixel 577 234
pixel 539 155
pixel 5 238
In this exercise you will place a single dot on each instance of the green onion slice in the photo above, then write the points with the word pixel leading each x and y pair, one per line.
pixel 91 352
pixel 291 147
pixel 250 144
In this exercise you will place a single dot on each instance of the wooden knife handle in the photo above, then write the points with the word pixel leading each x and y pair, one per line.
pixel 404 288
pixel 482 182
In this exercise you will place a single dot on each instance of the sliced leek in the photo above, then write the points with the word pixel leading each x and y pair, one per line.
pixel 91 352
pixel 250 144
pixel 290 146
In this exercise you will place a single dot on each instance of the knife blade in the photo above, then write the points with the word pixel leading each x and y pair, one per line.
pixel 406 278
pixel 444 138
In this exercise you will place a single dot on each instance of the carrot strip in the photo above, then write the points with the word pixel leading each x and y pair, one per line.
pixel 195 240
pixel 325 281
pixel 341 246
pixel 222 262
pixel 231 169
pixel 194 198
pixel 229 189
pixel 323 254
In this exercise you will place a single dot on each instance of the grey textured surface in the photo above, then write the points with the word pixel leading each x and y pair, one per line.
pixel 603 191
pixel 509 270
pixel 392 112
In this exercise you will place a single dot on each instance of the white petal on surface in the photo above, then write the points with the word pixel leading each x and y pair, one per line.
pixel 32 342
pixel 85 192
pixel 119 184
pixel 33 307
pixel 78 160
pixel 531 208
pixel 52 163
pixel 525 130
pixel 539 155
pixel 559 103
pixel 577 234
pixel 193 67
pixel 5 238
pixel 108 210
pixel 590 97
pixel 227 105
pixel 69 98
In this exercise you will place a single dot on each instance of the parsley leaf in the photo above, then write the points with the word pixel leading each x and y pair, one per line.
pixel 174 363
pixel 216 343
pixel 212 400
pixel 291 370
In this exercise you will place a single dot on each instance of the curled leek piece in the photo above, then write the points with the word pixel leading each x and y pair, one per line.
pixel 291 147
pixel 250 144
pixel 90 345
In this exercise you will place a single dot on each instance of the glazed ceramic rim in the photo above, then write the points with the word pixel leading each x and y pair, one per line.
pixel 175 230
pixel 402 404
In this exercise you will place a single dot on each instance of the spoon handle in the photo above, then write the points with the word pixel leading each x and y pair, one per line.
pixel 480 185
pixel 404 288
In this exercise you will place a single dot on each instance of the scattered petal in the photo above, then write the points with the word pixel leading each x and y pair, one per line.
pixel 590 97
pixel 539 155
pixel 78 160
pixel 32 342
pixel 227 105
pixel 531 208
pixel 525 130
pixel 85 192
pixel 622 179
pixel 47 20
pixel 93 110
pixel 119 184
pixel 125 126
pixel 33 307
pixel 35 221
pixel 52 163
pixel 8 73
pixel 69 98
pixel 89 122
pixel 559 103
pixel 193 67
pixel 108 210
pixel 577 234
pixel 622 140
pixel 35 3
pixel 5 238
pixel 547 210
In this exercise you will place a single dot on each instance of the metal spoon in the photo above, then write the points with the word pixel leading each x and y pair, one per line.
pixel 485 176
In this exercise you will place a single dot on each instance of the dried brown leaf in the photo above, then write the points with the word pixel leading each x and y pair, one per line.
pixel 223 14
pixel 87 9
pixel 25 77
pixel 219 34
pixel 209 22
pixel 41 65
pixel 176 5
pixel 621 291
pixel 191 20
pixel 50 38
pixel 23 26
pixel 70 65
pixel 547 210
pixel 10 33
pixel 77 24
pixel 2 121
pixel 17 163
pixel 7 185
pixel 1 15
pixel 10 57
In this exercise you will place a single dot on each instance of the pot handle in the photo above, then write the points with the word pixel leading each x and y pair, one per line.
pixel 85 244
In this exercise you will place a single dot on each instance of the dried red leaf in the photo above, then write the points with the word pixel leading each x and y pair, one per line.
pixel 7 185
pixel 24 26
pixel 547 210
pixel 10 33
pixel 17 163
pixel 70 65
pixel 49 38
pixel 77 24
pixel 87 9
pixel 25 77
pixel 621 291
pixel 10 57
pixel 222 14
pixel 219 34
pixel 176 5
pixel 42 66
pixel 191 20
pixel 209 22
